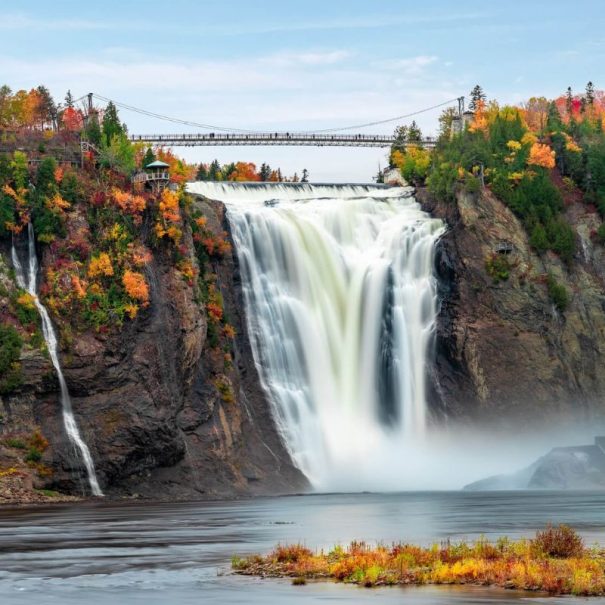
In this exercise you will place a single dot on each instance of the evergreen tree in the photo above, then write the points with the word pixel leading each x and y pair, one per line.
pixel 305 176
pixel 48 107
pixel 202 173
pixel 477 95
pixel 214 173
pixel 414 133
pixel 295 178
pixel 111 124
pixel 92 132
pixel 280 178
pixel 590 94
pixel 569 101
pixel 69 100
pixel 401 137
pixel 265 172
pixel 148 158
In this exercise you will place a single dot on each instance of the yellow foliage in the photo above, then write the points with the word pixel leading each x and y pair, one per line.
pixel 131 310
pixel 57 204
pixel 100 266
pixel 397 158
pixel 541 155
pixel 529 138
pixel 514 145
pixel 26 300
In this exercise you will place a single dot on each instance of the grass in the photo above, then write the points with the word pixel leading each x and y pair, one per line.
pixel 555 561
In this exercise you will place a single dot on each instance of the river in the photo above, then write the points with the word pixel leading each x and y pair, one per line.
pixel 100 552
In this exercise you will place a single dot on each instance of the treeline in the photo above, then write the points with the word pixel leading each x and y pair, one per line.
pixel 533 157
pixel 246 171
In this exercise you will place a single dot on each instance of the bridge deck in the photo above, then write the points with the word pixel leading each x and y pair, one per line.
pixel 277 138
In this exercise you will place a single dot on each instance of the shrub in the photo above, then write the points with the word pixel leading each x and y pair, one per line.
pixel 33 455
pixel 560 542
pixel 10 351
pixel 557 293
pixel 18 444
pixel 498 267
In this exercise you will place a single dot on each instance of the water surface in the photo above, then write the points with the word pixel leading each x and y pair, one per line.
pixel 120 553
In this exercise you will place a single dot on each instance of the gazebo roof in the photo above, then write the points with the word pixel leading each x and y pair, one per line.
pixel 158 164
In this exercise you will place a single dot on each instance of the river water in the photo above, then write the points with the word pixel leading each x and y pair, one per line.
pixel 179 553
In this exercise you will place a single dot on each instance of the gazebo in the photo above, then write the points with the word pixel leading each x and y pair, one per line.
pixel 155 176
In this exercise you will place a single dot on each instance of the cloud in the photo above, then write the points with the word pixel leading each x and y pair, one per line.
pixel 308 58
pixel 412 66
pixel 17 21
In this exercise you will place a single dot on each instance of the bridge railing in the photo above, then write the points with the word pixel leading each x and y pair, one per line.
pixel 277 138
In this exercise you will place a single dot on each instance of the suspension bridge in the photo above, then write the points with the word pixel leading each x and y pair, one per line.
pixel 222 136
pixel 276 138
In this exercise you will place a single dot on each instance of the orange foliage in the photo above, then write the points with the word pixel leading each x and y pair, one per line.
pixel 72 119
pixel 169 219
pixel 244 171
pixel 480 118
pixel 128 202
pixel 215 311
pixel 541 155
pixel 180 171
pixel 136 286
pixel 100 266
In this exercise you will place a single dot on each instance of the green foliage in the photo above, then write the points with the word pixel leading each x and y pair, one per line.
pixel 498 267
pixel 111 125
pixel 557 293
pixel 10 351
pixel 601 233
pixel 33 455
pixel 16 443
pixel 148 158
pixel 119 154
pixel 92 132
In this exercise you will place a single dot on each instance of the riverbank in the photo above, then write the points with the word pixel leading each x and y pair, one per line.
pixel 555 561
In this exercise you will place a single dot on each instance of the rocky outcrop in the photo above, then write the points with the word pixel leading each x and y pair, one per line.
pixel 504 353
pixel 147 401
pixel 581 467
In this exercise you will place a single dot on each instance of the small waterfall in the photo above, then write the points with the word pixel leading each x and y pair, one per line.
pixel 341 303
pixel 29 283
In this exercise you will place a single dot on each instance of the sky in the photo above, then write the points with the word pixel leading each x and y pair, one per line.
pixel 285 66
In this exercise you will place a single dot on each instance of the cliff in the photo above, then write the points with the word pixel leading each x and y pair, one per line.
pixel 507 351
pixel 167 409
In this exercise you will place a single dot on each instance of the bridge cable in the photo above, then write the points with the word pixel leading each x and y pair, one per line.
pixel 246 131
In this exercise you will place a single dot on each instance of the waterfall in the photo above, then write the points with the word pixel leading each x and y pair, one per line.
pixel 341 303
pixel 28 282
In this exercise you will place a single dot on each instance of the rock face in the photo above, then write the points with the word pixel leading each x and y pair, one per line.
pixel 504 353
pixel 148 406
pixel 562 468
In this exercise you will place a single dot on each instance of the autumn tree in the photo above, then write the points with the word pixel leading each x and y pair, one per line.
pixel 541 155
pixel 202 173
pixel 477 95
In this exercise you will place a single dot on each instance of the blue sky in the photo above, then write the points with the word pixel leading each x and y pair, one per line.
pixel 270 65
